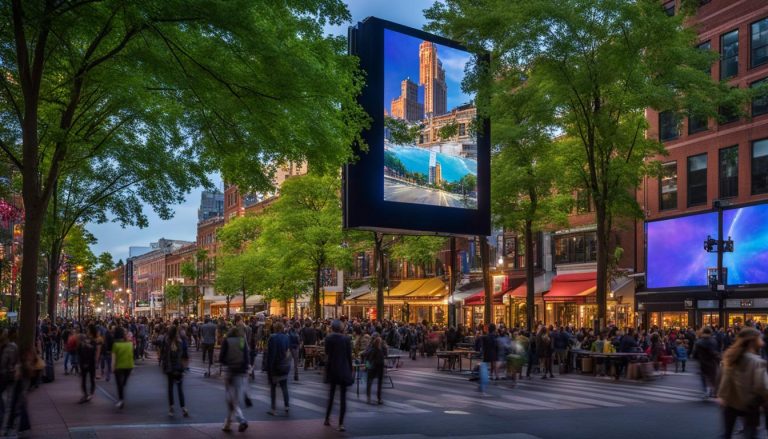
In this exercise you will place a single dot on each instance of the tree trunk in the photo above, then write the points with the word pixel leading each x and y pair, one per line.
pixel 602 266
pixel 245 296
pixel 229 299
pixel 316 292
pixel 487 282
pixel 33 225
pixel 378 262
pixel 530 306
pixel 54 260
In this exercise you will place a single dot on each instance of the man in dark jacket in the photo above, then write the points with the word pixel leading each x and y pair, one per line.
pixel 627 344
pixel 489 349
pixel 278 365
pixel 338 369
pixel 706 351
pixel 234 355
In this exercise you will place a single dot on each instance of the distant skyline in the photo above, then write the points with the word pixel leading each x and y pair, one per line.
pixel 183 226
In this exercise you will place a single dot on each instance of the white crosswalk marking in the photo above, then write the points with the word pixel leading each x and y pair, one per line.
pixel 420 391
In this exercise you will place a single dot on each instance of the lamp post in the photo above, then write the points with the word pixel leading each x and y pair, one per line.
pixel 719 280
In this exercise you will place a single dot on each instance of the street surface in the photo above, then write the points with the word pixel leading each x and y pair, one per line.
pixel 404 193
pixel 424 403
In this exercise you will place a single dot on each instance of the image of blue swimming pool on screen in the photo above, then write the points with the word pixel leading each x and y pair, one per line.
pixel 422 176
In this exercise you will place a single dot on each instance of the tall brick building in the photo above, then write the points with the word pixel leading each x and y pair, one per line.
pixel 710 159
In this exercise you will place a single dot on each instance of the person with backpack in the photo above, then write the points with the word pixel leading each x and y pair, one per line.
pixel 122 363
pixel 175 355
pixel 87 352
pixel 374 358
pixel 278 365
pixel 234 355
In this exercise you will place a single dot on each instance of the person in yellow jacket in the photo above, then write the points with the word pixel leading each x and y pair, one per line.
pixel 122 363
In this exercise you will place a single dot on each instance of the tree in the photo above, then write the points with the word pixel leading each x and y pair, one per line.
pixel 418 250
pixel 305 225
pixel 401 132
pixel 526 169
pixel 449 130
pixel 601 64
pixel 189 270
pixel 237 238
pixel 241 86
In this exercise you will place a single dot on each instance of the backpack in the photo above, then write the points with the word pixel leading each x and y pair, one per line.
pixel 236 351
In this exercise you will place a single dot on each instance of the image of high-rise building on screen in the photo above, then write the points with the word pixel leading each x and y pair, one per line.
pixel 430 145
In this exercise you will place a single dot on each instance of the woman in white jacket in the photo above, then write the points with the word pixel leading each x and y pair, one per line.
pixel 744 383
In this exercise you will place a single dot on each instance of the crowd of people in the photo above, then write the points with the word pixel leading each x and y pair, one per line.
pixel 731 361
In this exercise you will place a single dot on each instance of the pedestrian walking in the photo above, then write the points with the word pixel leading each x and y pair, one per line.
pixel 295 343
pixel 338 370
pixel 175 357
pixel 374 358
pixel 544 352
pixel 706 351
pixel 234 355
pixel 278 365
pixel 489 349
pixel 208 333
pixel 105 362
pixel 87 352
pixel 744 384
pixel 122 363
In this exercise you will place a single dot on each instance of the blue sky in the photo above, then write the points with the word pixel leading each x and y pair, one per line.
pixel 183 225
pixel 401 60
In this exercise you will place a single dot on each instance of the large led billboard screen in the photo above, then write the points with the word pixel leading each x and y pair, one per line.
pixel 427 164
pixel 675 255
pixel 748 228
pixel 675 251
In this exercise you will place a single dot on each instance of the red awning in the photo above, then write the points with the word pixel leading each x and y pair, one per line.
pixel 498 298
pixel 572 287
pixel 519 292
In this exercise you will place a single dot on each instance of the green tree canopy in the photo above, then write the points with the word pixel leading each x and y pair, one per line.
pixel 185 85
pixel 601 64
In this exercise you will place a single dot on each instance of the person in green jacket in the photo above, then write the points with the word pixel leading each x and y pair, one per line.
pixel 122 363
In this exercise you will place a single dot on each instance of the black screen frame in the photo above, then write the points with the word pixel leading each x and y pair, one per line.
pixel 363 179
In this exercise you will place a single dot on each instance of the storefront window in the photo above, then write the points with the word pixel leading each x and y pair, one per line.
pixel 735 319
pixel 710 319
pixel 667 320
pixel 757 318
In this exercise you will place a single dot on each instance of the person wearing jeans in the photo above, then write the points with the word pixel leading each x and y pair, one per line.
pixel 278 365
pixel 234 355
pixel 174 357
pixel 122 363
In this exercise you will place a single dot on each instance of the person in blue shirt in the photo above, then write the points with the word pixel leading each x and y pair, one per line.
pixel 681 355
pixel 278 364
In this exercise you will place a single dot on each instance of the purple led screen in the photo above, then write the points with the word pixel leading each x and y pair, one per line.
pixel 676 256
pixel 675 251
pixel 748 227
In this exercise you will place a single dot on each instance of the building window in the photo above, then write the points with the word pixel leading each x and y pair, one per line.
pixel 759 43
pixel 697 179
pixel 667 126
pixel 462 129
pixel 697 123
pixel 575 248
pixel 729 54
pixel 706 46
pixel 729 172
pixel 668 186
pixel 760 167
pixel 760 102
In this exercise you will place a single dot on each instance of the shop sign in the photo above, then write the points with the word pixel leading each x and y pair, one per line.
pixel 689 304
pixel 707 304
pixel 743 303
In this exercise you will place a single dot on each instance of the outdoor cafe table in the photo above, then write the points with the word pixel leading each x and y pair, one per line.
pixel 611 356
pixel 451 356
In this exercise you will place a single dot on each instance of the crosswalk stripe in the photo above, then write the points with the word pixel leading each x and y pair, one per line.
pixel 522 399
pixel 656 391
pixel 493 403
pixel 581 390
pixel 645 394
